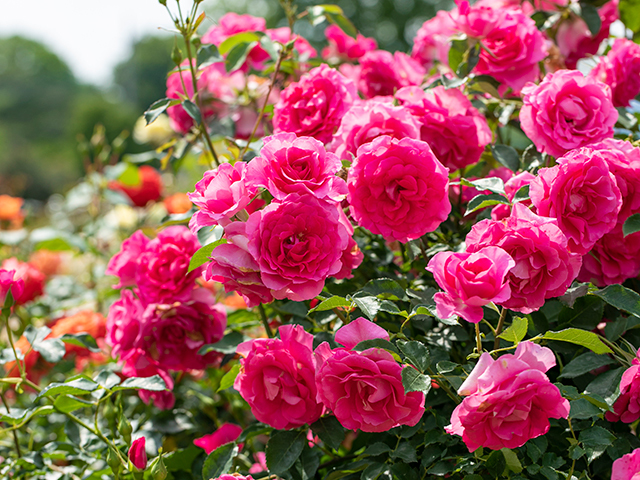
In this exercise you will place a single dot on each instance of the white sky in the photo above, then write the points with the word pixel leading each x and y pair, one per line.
pixel 91 36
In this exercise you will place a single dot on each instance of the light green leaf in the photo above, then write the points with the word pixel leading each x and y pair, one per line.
pixel 517 331
pixel 579 337
pixel 202 254
pixel 229 378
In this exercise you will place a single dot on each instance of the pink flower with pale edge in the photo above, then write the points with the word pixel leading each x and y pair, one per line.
pixel 32 279
pixel 315 105
pixel 566 111
pixel 620 69
pixel 225 433
pixel 364 389
pixel 454 129
pixel 343 47
pixel 509 400
pixel 432 39
pixel 297 242
pixel 277 378
pixel 9 282
pixel 544 266
pixel 581 194
pixel 470 281
pixel 398 188
pixel 382 73
pixel 627 467
pixel 371 119
pixel 289 164
pixel 138 454
pixel 221 194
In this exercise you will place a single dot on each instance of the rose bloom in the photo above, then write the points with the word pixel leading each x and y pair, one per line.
pixel 470 281
pixel 343 47
pixel 371 119
pixel 620 69
pixel 297 242
pixel 177 203
pixel 566 111
pixel 581 194
pixel 382 73
pixel 314 105
pixel 10 282
pixel 454 129
pixel 137 453
pixel 627 467
pixel 226 433
pixel 277 378
pixel 222 193
pixel 290 164
pixel 364 389
pixel 511 187
pixel 398 188
pixel 627 406
pixel 432 39
pixel 509 400
pixel 33 280
pixel 544 267
pixel 124 264
pixel 148 189
pixel 575 40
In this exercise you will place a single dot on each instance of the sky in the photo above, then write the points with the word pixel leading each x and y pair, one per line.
pixel 91 36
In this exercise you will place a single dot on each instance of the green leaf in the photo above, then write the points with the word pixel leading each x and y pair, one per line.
pixel 344 23
pixel 202 254
pixel 374 470
pixel 66 403
pixel 446 366
pixel 517 331
pixel 585 363
pixel 193 111
pixel 369 306
pixel 229 378
pixel 238 55
pixel 330 304
pixel 595 441
pixel 522 194
pixel 233 41
pixel 605 385
pixel 511 458
pixel 283 449
pixel 590 15
pixel 154 384
pixel 414 381
pixel 270 47
pixel 496 463
pixel 507 156
pixel 579 337
pixel 631 224
pixel 581 409
pixel 157 108
pixel 456 53
pixel 384 286
pixel 81 340
pixel 486 84
pixel 629 14
pixel 75 386
pixel 416 353
pixel 377 448
pixel 620 297
pixel 483 201
pixel 493 184
pixel 330 431
pixel 405 452
pixel 52 349
pixel 130 174
pixel 209 54
pixel 219 461
pixel 227 345
pixel 107 379
pixel 375 343
pixel 469 61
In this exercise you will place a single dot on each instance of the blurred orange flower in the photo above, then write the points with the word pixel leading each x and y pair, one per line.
pixel 178 203
pixel 11 210
pixel 46 261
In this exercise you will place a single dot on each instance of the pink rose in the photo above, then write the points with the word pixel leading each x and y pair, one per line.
pixel 221 194
pixel 432 39
pixel 9 283
pixel 33 280
pixel 124 264
pixel 627 406
pixel 382 73
pixel 138 454
pixel 620 69
pixel 454 129
pixel 162 266
pixel 544 267
pixel 566 111
pixel 509 400
pixel 574 39
pixel 470 281
pixel 180 120
pixel 234 476
pixel 123 323
pixel 398 188
pixel 343 47
pixel 581 194
pixel 315 105
pixel 298 242
pixel 627 467
pixel 277 378
pixel 371 119
pixel 613 259
pixel 511 187
pixel 290 164
pixel 512 44
pixel 364 389
pixel 226 433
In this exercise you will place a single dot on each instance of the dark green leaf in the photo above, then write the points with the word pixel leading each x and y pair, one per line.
pixel 154 383
pixel 283 449
pixel 307 464
pixel 456 53
pixel 193 111
pixel 590 15
pixel 384 286
pixel 507 156
pixel 522 194
pixel 584 364
pixel 482 201
pixel 582 409
pixel 369 306
pixel 517 331
pixel 606 384
pixel 373 471
pixel 81 340
pixel 595 441
pixel 330 304
pixel 229 378
pixel 219 461
pixel 631 224
pixel 496 463
pixel 377 448
pixel 157 108
pixel 416 353
pixel 209 54
pixel 227 345
pixel 486 84
pixel 344 23
pixel 202 254
pixel 181 459
pixel 579 337
pixel 329 430
pixel 74 386
pixel 621 298
pixel 414 381
pixel 586 313
pixel 405 452
pixel 237 56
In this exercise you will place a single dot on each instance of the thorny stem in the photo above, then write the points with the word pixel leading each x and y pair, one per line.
pixel 503 315
pixel 265 320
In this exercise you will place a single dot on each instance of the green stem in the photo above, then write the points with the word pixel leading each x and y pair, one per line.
pixel 478 339
pixel 503 316
pixel 15 432
pixel 265 320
